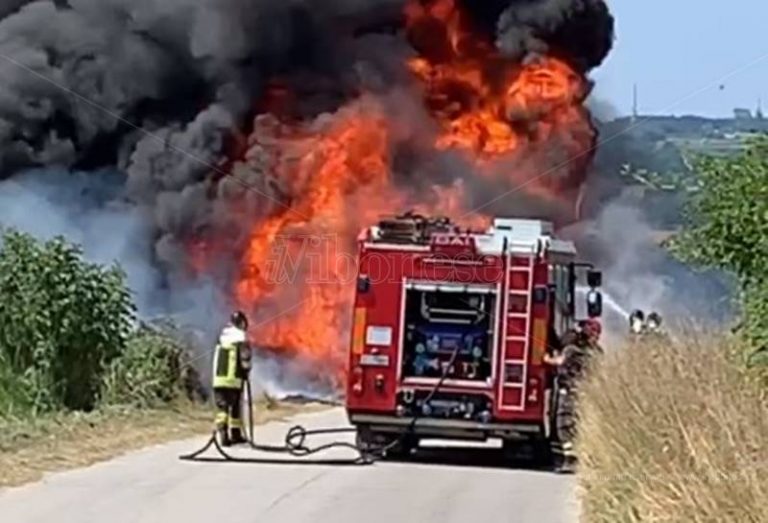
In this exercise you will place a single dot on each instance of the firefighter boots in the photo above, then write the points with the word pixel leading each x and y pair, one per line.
pixel 237 437
pixel 224 437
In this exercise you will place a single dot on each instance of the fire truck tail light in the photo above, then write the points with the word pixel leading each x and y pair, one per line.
pixel 379 382
pixel 357 380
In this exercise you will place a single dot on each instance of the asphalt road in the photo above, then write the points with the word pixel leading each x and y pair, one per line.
pixel 440 485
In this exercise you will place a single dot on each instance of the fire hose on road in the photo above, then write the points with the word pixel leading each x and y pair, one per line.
pixel 295 444
pixel 296 438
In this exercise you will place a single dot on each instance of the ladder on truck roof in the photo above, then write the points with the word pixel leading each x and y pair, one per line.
pixel 518 288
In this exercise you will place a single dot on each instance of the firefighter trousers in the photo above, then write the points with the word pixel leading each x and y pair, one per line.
pixel 228 410
pixel 565 425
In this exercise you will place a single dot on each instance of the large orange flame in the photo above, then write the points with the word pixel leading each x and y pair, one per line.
pixel 494 107
pixel 298 264
pixel 480 96
pixel 336 173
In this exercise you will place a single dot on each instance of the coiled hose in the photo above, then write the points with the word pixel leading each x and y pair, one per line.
pixel 296 438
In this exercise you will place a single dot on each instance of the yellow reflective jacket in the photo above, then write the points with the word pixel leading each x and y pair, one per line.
pixel 231 359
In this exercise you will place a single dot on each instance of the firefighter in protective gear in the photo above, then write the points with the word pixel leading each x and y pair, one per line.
pixel 231 366
pixel 637 324
pixel 653 323
pixel 572 367
pixel 644 328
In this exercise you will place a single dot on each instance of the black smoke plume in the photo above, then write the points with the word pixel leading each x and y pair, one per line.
pixel 163 91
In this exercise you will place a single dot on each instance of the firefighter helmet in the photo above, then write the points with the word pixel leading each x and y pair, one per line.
pixel 592 328
pixel 239 320
pixel 654 321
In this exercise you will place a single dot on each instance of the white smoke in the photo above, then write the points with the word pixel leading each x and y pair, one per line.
pixel 48 203
pixel 639 273
pixel 282 377
pixel 630 278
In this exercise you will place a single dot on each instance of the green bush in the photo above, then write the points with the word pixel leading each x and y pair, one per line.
pixel 150 371
pixel 62 322
pixel 727 228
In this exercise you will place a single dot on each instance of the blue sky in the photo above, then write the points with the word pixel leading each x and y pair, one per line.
pixel 681 51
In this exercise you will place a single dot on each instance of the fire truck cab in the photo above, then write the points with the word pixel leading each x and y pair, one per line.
pixel 450 329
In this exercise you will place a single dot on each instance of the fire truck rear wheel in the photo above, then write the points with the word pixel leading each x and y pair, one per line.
pixel 366 441
pixel 538 450
pixel 510 449
pixel 402 446
pixel 541 448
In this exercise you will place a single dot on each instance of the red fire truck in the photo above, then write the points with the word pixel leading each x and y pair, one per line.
pixel 450 329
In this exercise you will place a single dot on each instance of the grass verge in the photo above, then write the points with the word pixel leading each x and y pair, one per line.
pixel 32 447
pixel 673 433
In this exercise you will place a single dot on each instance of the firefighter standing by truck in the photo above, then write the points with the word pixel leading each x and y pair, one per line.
pixel 572 365
pixel 231 366
pixel 646 328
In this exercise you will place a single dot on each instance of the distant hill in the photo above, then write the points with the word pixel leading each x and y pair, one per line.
pixel 692 133
pixel 648 158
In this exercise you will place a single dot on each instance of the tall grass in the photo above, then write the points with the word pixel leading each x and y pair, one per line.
pixel 153 370
pixel 674 433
